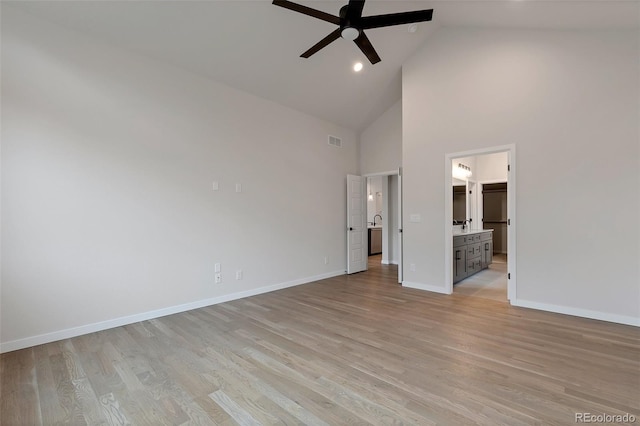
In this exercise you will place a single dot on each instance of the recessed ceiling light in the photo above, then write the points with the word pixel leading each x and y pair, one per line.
pixel 357 67
pixel 413 28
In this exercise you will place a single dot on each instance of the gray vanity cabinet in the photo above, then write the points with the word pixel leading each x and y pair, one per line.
pixel 459 258
pixel 486 248
pixel 471 253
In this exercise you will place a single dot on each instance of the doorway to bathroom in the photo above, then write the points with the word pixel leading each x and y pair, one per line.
pixel 481 206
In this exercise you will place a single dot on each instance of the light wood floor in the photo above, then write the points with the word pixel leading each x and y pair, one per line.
pixel 354 349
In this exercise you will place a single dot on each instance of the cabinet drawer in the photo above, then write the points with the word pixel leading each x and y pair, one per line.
pixel 473 266
pixel 459 241
pixel 473 249
pixel 486 236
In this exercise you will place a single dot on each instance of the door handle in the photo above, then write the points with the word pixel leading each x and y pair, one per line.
pixel 350 229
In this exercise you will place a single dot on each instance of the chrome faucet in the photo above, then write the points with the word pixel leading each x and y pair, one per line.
pixel 465 223
pixel 374 219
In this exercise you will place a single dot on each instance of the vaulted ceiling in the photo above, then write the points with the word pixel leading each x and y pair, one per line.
pixel 255 46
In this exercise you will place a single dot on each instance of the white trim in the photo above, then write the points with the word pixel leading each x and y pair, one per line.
pixel 577 312
pixel 27 342
pixel 512 288
pixel 386 241
pixel 388 173
pixel 427 287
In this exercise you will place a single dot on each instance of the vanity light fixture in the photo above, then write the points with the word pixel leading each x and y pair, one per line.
pixel 461 171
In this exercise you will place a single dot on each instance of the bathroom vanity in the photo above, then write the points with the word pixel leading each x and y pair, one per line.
pixel 472 252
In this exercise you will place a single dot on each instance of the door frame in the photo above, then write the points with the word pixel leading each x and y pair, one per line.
pixel 511 213
pixel 385 215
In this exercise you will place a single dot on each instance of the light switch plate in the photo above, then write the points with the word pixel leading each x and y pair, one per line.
pixel 415 217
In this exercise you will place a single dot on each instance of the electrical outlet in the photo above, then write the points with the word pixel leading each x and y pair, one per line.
pixel 217 267
pixel 218 278
pixel 412 267
pixel 239 274
pixel 326 260
pixel 216 185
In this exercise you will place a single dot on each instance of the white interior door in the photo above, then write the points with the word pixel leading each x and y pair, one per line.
pixel 356 229
pixel 400 225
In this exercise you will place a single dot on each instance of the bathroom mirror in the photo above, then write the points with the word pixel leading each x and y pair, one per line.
pixel 459 202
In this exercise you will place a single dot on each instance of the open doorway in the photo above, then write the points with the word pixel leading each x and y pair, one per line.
pixel 480 231
pixel 383 218
pixel 374 205
pixel 490 282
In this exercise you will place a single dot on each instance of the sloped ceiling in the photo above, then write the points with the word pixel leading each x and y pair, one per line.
pixel 255 46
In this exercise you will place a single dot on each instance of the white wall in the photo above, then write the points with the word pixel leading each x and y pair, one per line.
pixel 381 151
pixel 381 143
pixel 108 213
pixel 492 167
pixel 569 101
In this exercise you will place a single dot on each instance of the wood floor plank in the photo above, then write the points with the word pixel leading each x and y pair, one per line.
pixel 233 409
pixel 112 411
pixel 357 349
pixel 50 408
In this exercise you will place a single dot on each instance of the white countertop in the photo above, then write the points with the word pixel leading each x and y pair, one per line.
pixel 374 227
pixel 469 231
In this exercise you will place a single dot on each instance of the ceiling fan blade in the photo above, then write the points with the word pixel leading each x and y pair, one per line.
pixel 322 43
pixel 367 48
pixel 354 10
pixel 307 11
pixel 391 19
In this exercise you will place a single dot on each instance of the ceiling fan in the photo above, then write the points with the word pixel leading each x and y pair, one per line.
pixel 352 24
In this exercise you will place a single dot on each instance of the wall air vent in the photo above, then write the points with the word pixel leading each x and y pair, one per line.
pixel 334 141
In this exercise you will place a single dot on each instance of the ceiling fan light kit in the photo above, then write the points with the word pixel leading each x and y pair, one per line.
pixel 351 24
pixel 349 33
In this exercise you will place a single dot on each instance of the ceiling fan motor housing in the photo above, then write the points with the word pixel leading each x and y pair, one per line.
pixel 347 30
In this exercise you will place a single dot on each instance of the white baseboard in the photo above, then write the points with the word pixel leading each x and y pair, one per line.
pixel 576 312
pixel 27 342
pixel 427 287
pixel 389 262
